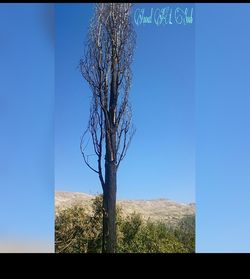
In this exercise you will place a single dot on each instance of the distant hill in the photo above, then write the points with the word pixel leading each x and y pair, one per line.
pixel 165 210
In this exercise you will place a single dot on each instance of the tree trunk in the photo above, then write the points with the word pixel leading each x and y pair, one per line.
pixel 109 209
pixel 109 191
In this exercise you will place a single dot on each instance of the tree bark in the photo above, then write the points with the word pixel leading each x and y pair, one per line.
pixel 109 193
pixel 109 209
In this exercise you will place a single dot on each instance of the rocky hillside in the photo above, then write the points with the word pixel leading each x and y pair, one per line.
pixel 159 209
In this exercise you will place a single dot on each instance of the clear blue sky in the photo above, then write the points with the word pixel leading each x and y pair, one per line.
pixel 27 106
pixel 161 160
pixel 223 127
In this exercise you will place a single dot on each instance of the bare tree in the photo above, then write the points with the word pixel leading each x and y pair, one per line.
pixel 106 66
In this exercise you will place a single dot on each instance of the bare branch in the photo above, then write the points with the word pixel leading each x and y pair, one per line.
pixel 84 155
pixel 106 66
pixel 126 144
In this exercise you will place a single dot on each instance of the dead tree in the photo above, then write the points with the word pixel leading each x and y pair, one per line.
pixel 106 66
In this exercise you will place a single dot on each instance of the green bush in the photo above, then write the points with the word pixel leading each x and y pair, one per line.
pixel 80 232
pixel 185 232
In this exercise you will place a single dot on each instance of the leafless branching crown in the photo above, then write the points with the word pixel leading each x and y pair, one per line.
pixel 111 41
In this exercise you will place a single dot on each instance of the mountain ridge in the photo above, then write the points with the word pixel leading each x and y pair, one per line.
pixel 161 209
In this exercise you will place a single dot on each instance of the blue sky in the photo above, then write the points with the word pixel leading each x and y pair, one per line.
pixel 222 127
pixel 27 107
pixel 160 162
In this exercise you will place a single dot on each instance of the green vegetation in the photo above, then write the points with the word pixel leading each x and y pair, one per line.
pixel 78 231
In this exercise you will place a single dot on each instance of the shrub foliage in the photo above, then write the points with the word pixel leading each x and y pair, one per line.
pixel 78 231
